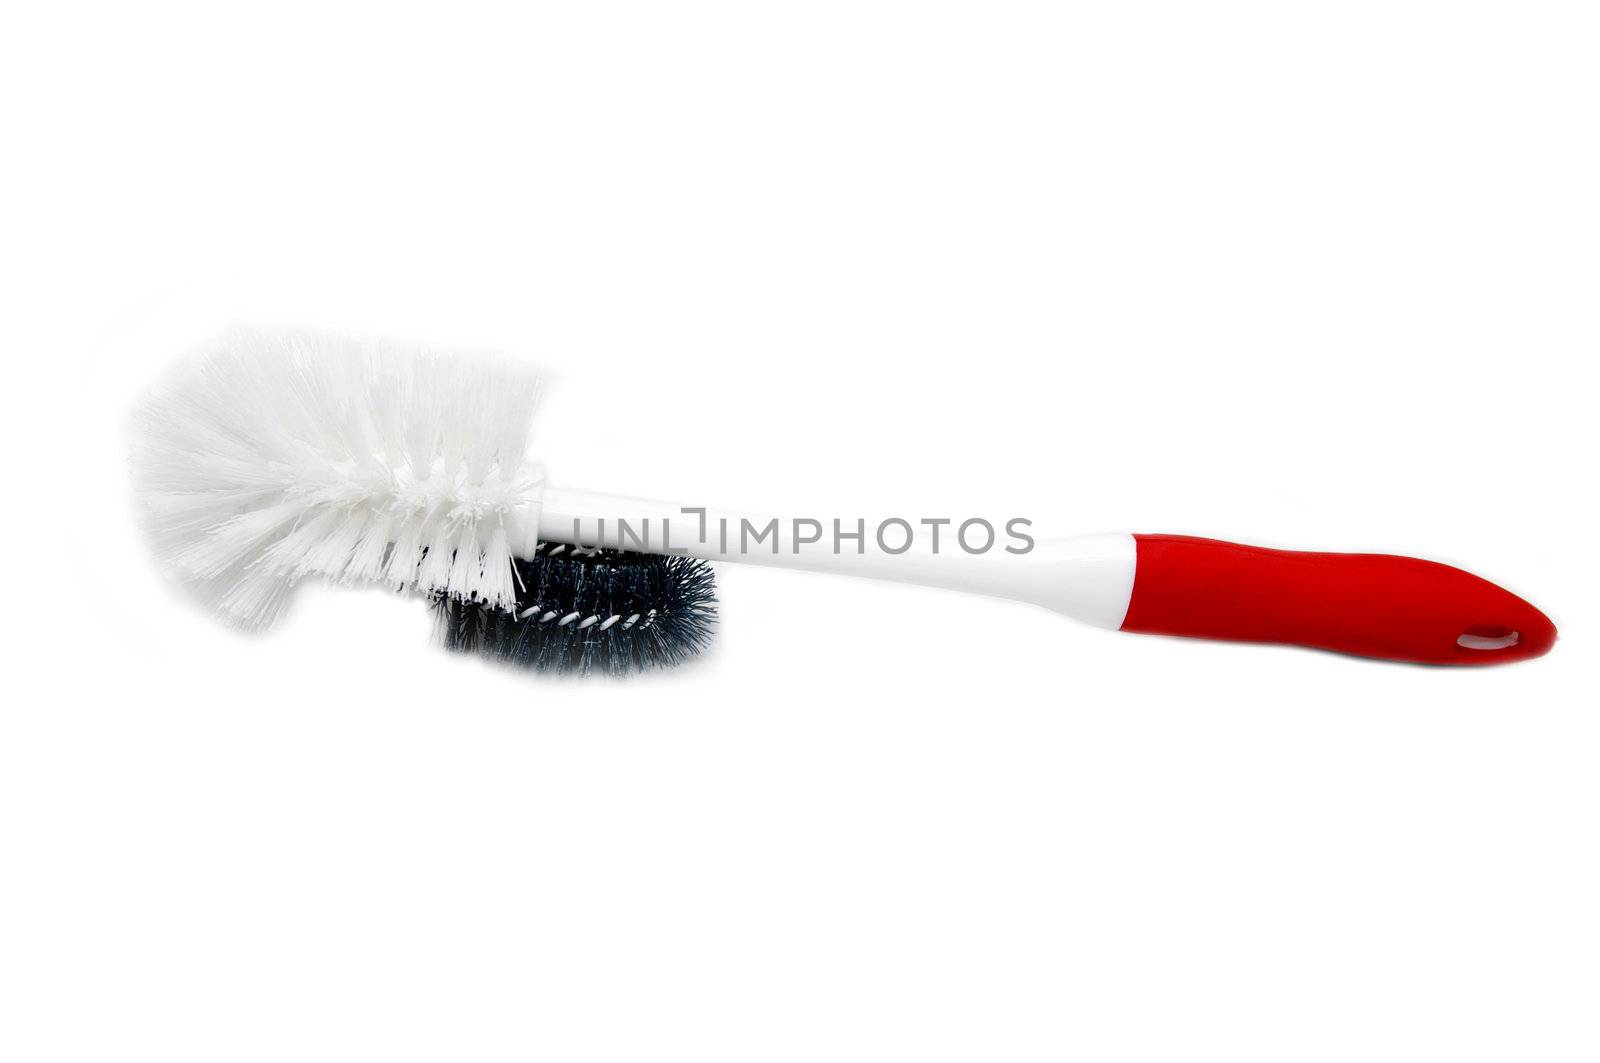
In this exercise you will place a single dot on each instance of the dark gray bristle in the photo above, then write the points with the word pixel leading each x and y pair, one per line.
pixel 643 611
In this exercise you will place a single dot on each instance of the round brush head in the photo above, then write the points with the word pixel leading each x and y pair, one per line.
pixel 269 458
pixel 582 611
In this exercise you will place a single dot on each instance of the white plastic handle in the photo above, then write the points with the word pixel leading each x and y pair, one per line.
pixel 1087 577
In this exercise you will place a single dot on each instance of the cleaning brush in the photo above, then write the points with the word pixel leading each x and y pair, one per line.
pixel 272 458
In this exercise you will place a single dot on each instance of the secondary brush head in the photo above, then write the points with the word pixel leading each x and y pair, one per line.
pixel 583 611
pixel 273 457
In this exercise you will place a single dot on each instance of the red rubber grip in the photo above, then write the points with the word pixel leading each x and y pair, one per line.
pixel 1372 605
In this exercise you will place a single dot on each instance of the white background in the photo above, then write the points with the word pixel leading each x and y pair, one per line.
pixel 1314 275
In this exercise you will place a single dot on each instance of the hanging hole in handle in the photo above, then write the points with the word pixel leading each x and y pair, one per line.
pixel 1486 638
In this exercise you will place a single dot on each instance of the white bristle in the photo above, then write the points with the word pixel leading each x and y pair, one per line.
pixel 274 457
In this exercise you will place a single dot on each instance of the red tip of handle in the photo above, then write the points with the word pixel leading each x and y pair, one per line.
pixel 1372 605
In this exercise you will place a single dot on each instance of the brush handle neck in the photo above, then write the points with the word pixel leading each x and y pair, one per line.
pixel 1089 578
